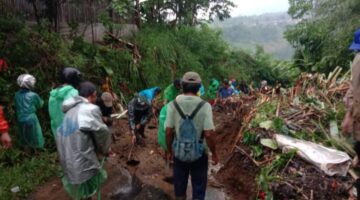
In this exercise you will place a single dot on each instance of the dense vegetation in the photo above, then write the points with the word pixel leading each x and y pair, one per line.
pixel 324 33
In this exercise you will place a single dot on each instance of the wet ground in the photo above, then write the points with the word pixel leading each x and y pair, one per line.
pixel 146 180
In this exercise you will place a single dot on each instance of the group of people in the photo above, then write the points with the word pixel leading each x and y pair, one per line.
pixel 80 121
pixel 79 124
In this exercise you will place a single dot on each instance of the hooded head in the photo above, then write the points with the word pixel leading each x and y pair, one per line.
pixel 141 103
pixel 355 45
pixel 70 76
pixel 88 90
pixel 26 81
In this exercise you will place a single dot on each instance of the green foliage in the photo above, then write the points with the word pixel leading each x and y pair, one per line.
pixel 175 51
pixel 299 8
pixel 249 138
pixel 279 125
pixel 257 150
pixel 186 12
pixel 17 169
pixel 324 33
pixel 269 173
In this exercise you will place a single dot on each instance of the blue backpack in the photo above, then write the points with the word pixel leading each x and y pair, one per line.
pixel 188 147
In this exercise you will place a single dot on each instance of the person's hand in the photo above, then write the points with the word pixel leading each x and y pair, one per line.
pixel 106 119
pixel 215 159
pixel 138 126
pixel 5 140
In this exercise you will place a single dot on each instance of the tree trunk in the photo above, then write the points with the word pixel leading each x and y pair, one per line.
pixel 56 14
pixel 36 13
pixel 137 13
pixel 111 16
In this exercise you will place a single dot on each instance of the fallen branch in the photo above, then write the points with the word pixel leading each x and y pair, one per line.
pixel 257 163
pixel 353 174
pixel 247 155
pixel 298 190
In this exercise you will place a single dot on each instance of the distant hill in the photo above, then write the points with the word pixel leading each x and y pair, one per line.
pixel 246 32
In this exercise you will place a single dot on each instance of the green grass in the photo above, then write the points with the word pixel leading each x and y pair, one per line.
pixel 27 172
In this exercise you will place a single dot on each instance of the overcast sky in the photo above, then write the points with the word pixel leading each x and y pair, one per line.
pixel 256 7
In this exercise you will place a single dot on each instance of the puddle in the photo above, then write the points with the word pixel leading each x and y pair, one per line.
pixel 215 194
pixel 130 188
pixel 126 186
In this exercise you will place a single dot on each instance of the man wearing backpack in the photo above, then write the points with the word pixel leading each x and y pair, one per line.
pixel 189 134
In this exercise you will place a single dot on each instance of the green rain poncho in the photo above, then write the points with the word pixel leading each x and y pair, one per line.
pixel 161 130
pixel 30 134
pixel 170 93
pixel 57 97
pixel 213 88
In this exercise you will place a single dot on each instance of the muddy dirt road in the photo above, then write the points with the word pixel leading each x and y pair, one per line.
pixel 145 181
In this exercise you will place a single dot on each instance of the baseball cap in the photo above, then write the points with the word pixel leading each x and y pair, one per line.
pixel 356 42
pixel 191 77
pixel 107 99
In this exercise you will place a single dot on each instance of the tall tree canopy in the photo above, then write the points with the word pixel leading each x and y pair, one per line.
pixel 186 12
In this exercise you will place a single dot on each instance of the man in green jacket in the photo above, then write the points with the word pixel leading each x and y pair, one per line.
pixel 69 79
pixel 172 91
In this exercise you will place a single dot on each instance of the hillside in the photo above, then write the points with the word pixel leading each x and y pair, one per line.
pixel 246 32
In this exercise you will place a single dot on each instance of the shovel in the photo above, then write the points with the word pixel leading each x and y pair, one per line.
pixel 168 179
pixel 130 161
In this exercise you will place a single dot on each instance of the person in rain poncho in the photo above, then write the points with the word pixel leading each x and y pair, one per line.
pixel 69 79
pixel 5 139
pixel 172 91
pixel 80 137
pixel 161 131
pixel 27 103
pixel 213 89
pixel 201 91
pixel 150 93
pixel 234 84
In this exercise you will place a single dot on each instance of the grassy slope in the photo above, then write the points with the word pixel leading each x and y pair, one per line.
pixel 27 172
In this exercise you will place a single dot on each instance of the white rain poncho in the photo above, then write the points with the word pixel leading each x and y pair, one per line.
pixel 81 135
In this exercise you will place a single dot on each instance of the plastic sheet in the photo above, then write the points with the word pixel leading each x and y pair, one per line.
pixel 329 160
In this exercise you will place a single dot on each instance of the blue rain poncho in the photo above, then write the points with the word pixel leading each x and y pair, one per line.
pixel 149 94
